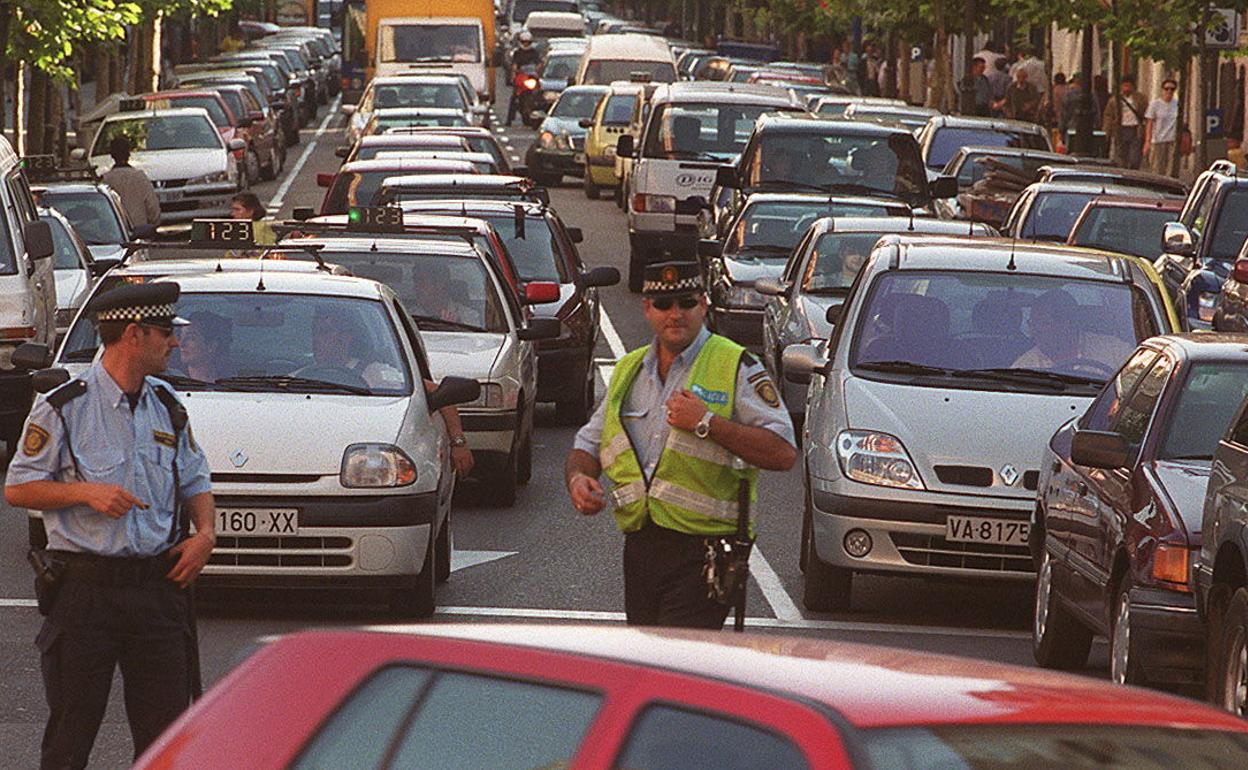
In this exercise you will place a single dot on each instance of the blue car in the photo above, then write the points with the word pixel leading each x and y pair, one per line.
pixel 560 145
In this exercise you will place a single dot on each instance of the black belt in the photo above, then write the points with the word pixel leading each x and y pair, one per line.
pixel 114 570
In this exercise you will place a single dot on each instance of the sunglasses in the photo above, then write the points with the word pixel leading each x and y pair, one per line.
pixel 165 331
pixel 687 302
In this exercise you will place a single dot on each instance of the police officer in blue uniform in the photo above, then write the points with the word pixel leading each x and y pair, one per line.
pixel 98 457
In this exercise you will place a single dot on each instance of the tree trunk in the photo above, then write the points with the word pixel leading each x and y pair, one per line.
pixel 903 71
pixel 36 130
pixel 937 88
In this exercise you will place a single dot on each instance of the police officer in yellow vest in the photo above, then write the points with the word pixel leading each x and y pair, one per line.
pixel 685 420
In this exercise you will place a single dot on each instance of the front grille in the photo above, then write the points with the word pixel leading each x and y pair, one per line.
pixel 936 551
pixel 267 551
pixel 964 475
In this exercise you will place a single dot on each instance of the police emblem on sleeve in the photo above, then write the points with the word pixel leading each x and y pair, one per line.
pixel 34 442
pixel 767 392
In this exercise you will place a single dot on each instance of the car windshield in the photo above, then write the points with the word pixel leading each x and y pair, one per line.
pixel 534 249
pixel 1208 400
pixel 357 188
pixel 976 165
pixel 561 66
pixel 1230 227
pixel 771 229
pixel 383 123
pixel 371 151
pixel 1053 214
pixel 1127 230
pixel 954 322
pixel 276 343
pixel 576 103
pixel 165 132
pixel 1052 747
pixel 64 252
pixel 520 9
pixel 949 139
pixel 835 262
pixel 91 213
pixel 619 110
pixel 851 163
pixel 442 293
pixel 706 131
pixel 604 71
pixel 429 42
pixel 419 95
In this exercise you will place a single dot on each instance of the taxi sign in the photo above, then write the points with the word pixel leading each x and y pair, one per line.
pixel 375 219
pixel 135 104
pixel 228 231
pixel 39 162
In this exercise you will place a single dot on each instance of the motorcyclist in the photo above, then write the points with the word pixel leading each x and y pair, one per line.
pixel 524 56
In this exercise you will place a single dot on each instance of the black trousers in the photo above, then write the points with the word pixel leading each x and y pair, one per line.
pixel 132 618
pixel 663 583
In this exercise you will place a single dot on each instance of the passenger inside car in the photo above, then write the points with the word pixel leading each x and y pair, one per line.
pixel 204 347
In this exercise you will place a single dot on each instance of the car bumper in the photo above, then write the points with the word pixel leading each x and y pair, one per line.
pixel 189 204
pixel 489 431
pixel 372 539
pixel 556 161
pixel 684 227
pixel 560 372
pixel 1170 634
pixel 909 537
pixel 742 325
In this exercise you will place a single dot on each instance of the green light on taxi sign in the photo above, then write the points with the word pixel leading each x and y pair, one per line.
pixel 375 219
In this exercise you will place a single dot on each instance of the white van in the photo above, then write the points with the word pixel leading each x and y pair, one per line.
pixel 433 44
pixel 626 57
pixel 27 290
pixel 543 25
pixel 694 128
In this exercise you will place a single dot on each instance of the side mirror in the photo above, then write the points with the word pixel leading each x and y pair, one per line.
pixel 541 292
pixel 833 314
pixel 624 146
pixel 1178 240
pixel 144 232
pixel 302 213
pixel 943 187
pixel 47 380
pixel 771 286
pixel 576 235
pixel 349 109
pixel 325 179
pixel 234 145
pixel 800 361
pixel 452 391
pixel 710 247
pixel 244 123
pixel 38 238
pixel 101 265
pixel 602 276
pixel 1100 449
pixel 726 176
pixel 585 123
pixel 541 329
pixel 31 356
pixel 78 153
pixel 342 151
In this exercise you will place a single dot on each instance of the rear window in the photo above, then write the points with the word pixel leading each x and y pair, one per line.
pixel 536 254
pixel 1053 214
pixel 91 214
pixel 215 112
pixel 1125 230
pixel 576 104
pixel 947 141
pixel 382 124
pixel 419 95
pixel 775 228
pixel 976 166
pixel 603 71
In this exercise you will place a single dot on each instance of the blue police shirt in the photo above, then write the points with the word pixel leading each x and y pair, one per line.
pixel 113 445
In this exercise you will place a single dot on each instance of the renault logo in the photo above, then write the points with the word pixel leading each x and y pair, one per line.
pixel 1009 474
pixel 239 458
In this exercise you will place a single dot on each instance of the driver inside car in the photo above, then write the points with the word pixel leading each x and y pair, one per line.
pixel 1060 344
pixel 338 347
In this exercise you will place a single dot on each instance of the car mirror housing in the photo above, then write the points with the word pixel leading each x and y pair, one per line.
pixel 602 276
pixel 1100 449
pixel 101 265
pixel 833 314
pixel 726 176
pixel 944 187
pixel 541 329
pixel 576 235
pixel 800 361
pixel 38 238
pixel 452 391
pixel 624 146
pixel 31 356
pixel 1178 240
pixel 585 123
pixel 770 286
pixel 710 247
pixel 541 292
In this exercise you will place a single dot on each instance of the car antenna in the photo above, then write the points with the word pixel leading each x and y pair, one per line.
pixel 1011 265
pixel 260 283
pixel 911 228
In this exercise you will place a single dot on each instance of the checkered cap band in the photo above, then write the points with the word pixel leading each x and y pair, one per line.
pixel 693 283
pixel 138 313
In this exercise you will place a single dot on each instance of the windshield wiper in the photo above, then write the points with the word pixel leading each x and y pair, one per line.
pixel 904 367
pixel 765 248
pixel 434 322
pixel 866 190
pixel 291 382
pixel 182 381
pixel 1031 376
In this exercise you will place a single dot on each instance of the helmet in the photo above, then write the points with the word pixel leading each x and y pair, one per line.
pixel 526 37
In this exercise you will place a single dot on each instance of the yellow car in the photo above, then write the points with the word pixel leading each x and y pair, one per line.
pixel 612 119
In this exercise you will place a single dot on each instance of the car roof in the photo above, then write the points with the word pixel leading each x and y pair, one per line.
pixel 281 282
pixel 901 226
pixel 388 112
pixel 1025 152
pixel 892 109
pixel 467 181
pixel 817 124
pixel 450 130
pixel 1128 175
pixel 629 46
pixel 475 207
pixel 723 91
pixel 390 80
pixel 1096 188
pixel 1136 202
pixel 71 187
pixel 869 686
pixel 412 219
pixel 956 252
pixel 214 264
pixel 555 16
pixel 390 243
pixel 813 198
pixel 406 163
pixel 410 140
pixel 161 112
pixel 590 88
pixel 1204 346
pixel 626 87
pixel 974 121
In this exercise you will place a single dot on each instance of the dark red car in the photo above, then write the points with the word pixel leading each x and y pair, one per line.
pixel 1117 526
pixel 356 183
pixel 480 696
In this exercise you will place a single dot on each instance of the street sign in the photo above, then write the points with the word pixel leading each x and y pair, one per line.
pixel 1222 31
pixel 1213 123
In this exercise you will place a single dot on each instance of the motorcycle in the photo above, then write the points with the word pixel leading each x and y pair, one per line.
pixel 528 95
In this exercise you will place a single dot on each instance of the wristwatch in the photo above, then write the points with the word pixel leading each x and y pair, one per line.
pixel 458 441
pixel 703 428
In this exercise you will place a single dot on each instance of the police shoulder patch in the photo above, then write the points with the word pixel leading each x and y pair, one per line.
pixel 767 392
pixel 161 437
pixel 35 440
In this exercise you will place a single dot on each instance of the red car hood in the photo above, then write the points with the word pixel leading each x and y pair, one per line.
pixel 1184 482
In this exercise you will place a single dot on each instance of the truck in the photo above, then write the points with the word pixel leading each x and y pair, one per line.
pixel 435 36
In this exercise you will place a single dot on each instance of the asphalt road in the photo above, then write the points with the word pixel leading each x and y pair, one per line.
pixel 539 561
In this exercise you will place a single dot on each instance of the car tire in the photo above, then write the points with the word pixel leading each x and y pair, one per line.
pixel 418 598
pixel 254 169
pixel 825 588
pixel 592 191
pixel 279 148
pixel 443 547
pixel 1124 649
pixel 1058 639
pixel 501 477
pixel 524 462
pixel 576 411
pixel 1232 665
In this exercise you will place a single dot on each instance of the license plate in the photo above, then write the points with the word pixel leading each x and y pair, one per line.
pixel 579 157
pixel 974 529
pixel 261 521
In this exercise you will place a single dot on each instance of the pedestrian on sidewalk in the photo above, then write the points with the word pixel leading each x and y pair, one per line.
pixel 138 196
pixel 1123 123
pixel 686 421
pixel 1022 100
pixel 1160 123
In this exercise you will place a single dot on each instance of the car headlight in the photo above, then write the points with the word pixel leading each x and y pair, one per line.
pixel 376 465
pixel 546 139
pixel 876 458
pixel 1206 304
pixel 491 396
pixel 220 176
pixel 740 295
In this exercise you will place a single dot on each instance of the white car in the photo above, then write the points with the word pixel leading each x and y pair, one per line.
pixel 411 91
pixel 331 465
pixel 181 151
pixel 71 268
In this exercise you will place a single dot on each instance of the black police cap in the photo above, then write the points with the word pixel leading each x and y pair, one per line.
pixel 147 303
pixel 670 279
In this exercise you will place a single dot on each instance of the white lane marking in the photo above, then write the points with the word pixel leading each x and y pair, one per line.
pixel 465 559
pixel 613 337
pixel 18 603
pixel 768 581
pixel 280 196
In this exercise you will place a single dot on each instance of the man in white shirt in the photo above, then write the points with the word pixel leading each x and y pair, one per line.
pixel 138 197
pixel 1160 129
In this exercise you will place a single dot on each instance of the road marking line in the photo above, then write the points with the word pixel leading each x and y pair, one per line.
pixel 773 589
pixel 613 338
pixel 465 559
pixel 280 196
pixel 18 603
pixel 605 361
